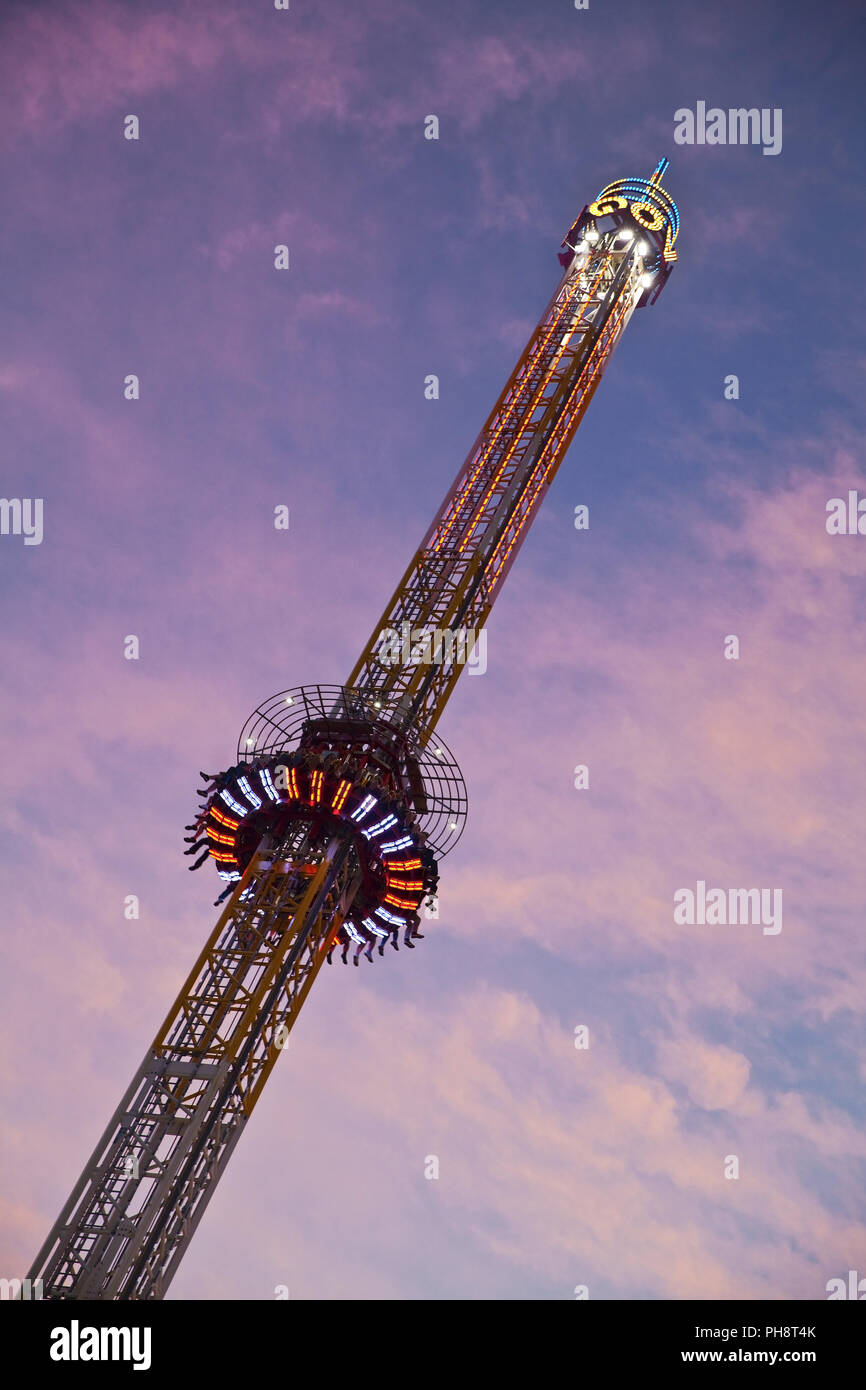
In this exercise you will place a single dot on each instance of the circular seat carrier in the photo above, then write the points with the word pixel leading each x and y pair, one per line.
pixel 266 796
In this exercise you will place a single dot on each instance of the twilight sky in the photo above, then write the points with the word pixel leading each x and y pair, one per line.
pixel 558 1167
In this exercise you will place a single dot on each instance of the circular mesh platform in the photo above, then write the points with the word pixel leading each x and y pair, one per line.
pixel 333 716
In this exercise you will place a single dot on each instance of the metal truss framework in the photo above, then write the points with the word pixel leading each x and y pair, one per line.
pixel 454 577
pixel 141 1196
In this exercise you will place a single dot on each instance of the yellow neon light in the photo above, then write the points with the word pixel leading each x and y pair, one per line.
pixel 604 206
pixel 648 216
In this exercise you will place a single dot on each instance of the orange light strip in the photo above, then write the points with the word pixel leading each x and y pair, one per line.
pixel 543 466
pixel 315 788
pixel 510 410
pixel 223 819
pixel 554 364
pixel 340 796
pixel 513 405
pixel 605 347
pixel 407 885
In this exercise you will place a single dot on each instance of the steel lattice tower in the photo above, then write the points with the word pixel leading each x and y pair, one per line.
pixel 293 825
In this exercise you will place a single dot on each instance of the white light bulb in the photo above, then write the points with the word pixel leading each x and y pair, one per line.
pixel 642 248
pixel 646 280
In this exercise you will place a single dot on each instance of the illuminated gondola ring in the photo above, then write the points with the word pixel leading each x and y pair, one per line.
pixel 398 871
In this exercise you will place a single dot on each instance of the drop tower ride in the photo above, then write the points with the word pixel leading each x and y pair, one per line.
pixel 329 827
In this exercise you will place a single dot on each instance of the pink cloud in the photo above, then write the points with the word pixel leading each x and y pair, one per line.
pixel 551 1158
pixel 91 58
